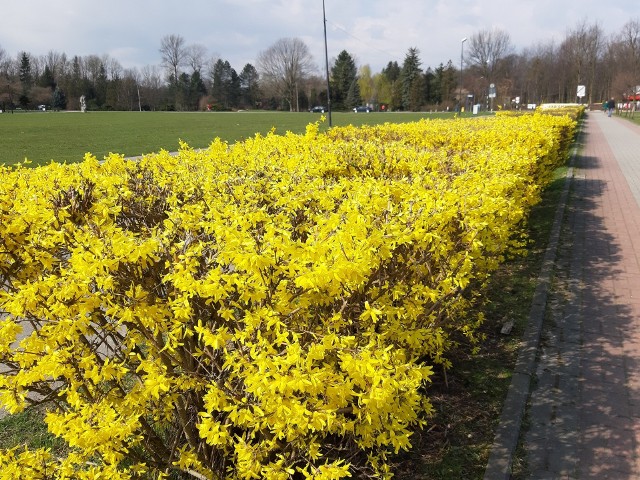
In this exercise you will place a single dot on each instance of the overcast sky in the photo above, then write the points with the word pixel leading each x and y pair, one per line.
pixel 372 31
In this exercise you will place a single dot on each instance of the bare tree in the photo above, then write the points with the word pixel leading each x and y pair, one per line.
pixel 284 66
pixel 583 49
pixel 488 58
pixel 129 90
pixel 624 58
pixel 173 53
pixel 629 39
pixel 151 77
pixel 537 67
pixel 56 62
pixel 151 86
pixel 487 49
pixel 195 57
pixel 3 55
pixel 113 67
pixel 37 66
pixel 210 68
pixel 9 91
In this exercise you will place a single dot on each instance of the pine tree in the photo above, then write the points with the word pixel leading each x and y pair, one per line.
pixel 429 93
pixel 353 95
pixel 249 88
pixel 449 81
pixel 25 71
pixel 437 84
pixel 47 80
pixel 226 84
pixel 411 73
pixel 343 74
pixel 59 100
pixel 25 79
pixel 392 73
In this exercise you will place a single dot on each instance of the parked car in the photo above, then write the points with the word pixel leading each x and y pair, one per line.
pixel 317 109
pixel 362 108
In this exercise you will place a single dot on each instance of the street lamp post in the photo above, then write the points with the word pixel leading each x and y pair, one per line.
pixel 326 59
pixel 461 57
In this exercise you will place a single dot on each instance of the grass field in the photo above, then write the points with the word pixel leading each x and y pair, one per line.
pixel 67 136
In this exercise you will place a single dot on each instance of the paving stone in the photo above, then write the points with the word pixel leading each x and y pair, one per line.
pixel 584 410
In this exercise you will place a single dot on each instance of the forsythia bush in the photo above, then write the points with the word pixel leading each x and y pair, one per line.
pixel 269 309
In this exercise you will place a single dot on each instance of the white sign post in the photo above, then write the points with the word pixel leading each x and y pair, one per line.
pixel 581 92
pixel 492 94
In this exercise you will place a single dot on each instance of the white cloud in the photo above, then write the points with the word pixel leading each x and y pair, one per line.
pixel 373 31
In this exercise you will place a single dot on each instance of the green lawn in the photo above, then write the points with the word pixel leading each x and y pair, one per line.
pixel 67 136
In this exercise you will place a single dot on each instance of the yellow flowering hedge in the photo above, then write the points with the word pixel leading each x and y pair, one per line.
pixel 269 309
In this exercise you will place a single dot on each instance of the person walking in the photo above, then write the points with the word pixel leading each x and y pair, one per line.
pixel 611 105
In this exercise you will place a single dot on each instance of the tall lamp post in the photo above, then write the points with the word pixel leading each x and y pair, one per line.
pixel 461 57
pixel 326 59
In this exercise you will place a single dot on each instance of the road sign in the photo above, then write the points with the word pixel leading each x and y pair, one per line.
pixel 492 90
pixel 581 91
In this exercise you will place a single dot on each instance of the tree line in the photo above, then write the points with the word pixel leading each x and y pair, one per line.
pixel 285 76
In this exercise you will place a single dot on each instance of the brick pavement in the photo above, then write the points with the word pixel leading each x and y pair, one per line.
pixel 584 408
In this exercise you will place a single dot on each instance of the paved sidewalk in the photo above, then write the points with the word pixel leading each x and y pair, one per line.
pixel 584 412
